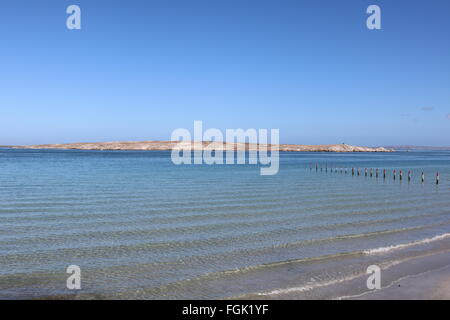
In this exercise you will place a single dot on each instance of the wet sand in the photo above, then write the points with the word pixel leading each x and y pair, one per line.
pixel 424 278
pixel 430 285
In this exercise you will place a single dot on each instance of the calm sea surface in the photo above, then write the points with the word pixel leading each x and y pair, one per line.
pixel 140 227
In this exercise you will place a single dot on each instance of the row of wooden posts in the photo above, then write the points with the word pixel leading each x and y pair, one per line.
pixel 371 172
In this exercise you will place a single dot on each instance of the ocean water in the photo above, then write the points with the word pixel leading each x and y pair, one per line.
pixel 140 227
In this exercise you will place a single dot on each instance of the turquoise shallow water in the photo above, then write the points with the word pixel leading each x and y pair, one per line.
pixel 141 227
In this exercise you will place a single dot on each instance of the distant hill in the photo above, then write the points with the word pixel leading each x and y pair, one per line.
pixel 169 145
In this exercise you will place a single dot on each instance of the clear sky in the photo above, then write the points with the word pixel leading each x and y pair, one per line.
pixel 137 70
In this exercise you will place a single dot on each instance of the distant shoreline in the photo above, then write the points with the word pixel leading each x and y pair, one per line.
pixel 153 145
pixel 417 148
pixel 186 145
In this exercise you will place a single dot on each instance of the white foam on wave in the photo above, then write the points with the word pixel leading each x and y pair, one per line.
pixel 308 287
pixel 382 250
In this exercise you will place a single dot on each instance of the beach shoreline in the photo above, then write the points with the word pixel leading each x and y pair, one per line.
pixel 432 284
pixel 426 277
pixel 429 285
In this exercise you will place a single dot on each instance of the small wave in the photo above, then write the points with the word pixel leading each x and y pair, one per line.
pixel 309 286
pixel 382 250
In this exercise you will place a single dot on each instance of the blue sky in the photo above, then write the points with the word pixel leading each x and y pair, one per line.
pixel 137 70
